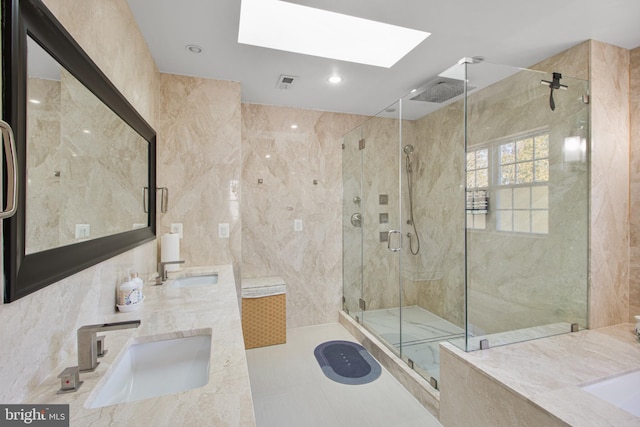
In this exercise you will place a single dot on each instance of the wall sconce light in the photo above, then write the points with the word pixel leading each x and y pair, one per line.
pixel 574 149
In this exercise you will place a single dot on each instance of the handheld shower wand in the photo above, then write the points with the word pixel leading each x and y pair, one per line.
pixel 408 150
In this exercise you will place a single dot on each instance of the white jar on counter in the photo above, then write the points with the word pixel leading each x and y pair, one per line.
pixel 129 295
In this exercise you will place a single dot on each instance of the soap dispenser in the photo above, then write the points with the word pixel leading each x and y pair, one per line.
pixel 129 294
pixel 135 278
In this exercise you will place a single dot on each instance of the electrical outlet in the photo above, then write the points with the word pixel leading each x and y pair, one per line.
pixel 176 228
pixel 83 231
pixel 223 230
pixel 297 225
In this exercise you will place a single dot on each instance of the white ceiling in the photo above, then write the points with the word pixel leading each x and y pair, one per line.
pixel 512 32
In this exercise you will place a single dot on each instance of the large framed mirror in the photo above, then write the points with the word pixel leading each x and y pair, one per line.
pixel 86 158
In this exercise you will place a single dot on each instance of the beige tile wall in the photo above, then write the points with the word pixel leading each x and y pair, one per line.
pixel 615 177
pixel 43 187
pixel 38 331
pixel 199 162
pixel 309 260
pixel 609 258
pixel 634 212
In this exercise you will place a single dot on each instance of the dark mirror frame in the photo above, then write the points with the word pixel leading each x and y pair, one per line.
pixel 27 273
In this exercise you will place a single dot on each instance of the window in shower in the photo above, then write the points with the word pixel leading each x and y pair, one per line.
pixel 478 169
pixel 525 160
pixel 522 196
pixel 477 177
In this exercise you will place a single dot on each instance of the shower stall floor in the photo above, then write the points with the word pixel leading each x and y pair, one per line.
pixel 422 332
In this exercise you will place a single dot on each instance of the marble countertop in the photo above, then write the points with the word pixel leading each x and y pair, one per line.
pixel 224 401
pixel 550 371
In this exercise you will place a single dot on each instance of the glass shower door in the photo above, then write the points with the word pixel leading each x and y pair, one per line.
pixel 352 224
pixel 382 237
pixel 527 225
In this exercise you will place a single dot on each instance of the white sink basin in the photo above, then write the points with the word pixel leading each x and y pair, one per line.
pixel 155 368
pixel 623 391
pixel 194 281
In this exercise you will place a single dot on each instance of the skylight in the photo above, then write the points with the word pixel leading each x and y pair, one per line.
pixel 291 27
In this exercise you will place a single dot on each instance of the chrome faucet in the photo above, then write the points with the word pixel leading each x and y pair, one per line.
pixel 88 341
pixel 162 271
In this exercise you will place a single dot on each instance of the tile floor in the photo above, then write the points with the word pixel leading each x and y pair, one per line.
pixel 289 389
pixel 422 332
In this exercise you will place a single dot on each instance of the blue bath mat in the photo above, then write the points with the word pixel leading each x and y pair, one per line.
pixel 347 362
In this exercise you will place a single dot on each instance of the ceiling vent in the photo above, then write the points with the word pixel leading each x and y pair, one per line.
pixel 285 82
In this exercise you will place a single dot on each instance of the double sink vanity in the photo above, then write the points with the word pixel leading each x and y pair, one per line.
pixel 184 364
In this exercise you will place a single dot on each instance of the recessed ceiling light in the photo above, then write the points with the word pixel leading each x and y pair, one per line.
pixel 294 126
pixel 87 131
pixel 194 48
pixel 268 156
pixel 34 101
pixel 335 79
pixel 295 28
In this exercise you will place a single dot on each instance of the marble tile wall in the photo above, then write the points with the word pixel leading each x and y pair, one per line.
pixel 37 332
pixel 125 59
pixel 613 74
pixel 439 212
pixel 111 159
pixel 609 257
pixel 73 134
pixel 199 161
pixel 634 218
pixel 309 260
pixel 43 187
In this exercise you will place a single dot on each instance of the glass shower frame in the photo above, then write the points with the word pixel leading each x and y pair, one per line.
pixel 448 282
pixel 534 127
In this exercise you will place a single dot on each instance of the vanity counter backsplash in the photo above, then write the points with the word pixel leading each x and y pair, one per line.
pixel 225 400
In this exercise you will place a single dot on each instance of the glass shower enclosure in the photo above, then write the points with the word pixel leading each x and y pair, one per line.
pixel 465 213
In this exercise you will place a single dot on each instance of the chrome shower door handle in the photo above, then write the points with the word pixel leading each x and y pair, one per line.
pixel 12 171
pixel 392 232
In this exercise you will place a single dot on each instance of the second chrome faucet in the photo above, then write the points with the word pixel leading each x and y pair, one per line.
pixel 90 346
pixel 162 271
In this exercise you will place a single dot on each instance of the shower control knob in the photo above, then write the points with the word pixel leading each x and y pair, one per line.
pixel 356 219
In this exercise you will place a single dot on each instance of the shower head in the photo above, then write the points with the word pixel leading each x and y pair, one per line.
pixel 408 149
pixel 441 90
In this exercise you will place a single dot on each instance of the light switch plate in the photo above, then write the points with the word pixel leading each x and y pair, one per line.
pixel 297 225
pixel 223 230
